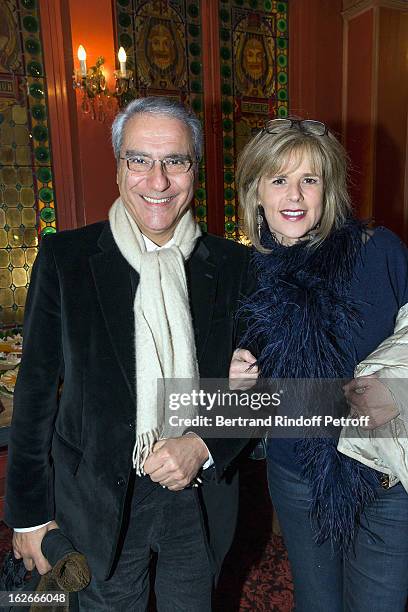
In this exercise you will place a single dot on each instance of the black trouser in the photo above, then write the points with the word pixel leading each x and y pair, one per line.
pixel 169 524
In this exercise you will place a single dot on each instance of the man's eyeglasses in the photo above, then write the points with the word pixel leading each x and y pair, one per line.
pixel 143 164
pixel 307 126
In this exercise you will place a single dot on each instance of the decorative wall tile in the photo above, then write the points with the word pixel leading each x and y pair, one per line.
pixel 25 153
pixel 253 51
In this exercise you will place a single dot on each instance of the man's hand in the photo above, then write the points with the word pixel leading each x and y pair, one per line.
pixel 368 396
pixel 27 546
pixel 174 462
pixel 243 374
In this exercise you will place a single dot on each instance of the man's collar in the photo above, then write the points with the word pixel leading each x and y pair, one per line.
pixel 152 246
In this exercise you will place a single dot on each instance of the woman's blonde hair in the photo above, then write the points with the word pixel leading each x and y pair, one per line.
pixel 267 155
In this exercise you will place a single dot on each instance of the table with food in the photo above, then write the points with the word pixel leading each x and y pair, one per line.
pixel 10 356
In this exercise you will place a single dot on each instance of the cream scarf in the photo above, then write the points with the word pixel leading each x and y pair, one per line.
pixel 164 337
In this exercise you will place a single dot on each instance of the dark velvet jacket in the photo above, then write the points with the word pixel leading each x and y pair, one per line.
pixel 70 456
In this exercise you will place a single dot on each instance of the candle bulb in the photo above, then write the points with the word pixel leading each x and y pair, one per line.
pixel 122 62
pixel 82 60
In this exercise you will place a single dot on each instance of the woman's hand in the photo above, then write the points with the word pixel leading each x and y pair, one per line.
pixel 242 373
pixel 368 396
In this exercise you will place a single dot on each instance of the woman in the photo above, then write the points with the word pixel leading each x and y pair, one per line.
pixel 329 292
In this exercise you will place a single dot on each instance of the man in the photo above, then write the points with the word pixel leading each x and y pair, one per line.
pixel 109 312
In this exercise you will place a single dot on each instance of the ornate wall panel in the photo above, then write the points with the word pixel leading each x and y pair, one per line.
pixel 254 60
pixel 27 208
pixel 162 39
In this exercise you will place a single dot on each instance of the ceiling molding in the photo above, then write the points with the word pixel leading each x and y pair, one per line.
pixel 354 7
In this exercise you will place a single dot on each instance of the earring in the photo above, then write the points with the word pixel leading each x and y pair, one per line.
pixel 259 220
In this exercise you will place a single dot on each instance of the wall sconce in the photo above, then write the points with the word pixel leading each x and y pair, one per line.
pixel 124 91
pixel 92 83
pixel 96 97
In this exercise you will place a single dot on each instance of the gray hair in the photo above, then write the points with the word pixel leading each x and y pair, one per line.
pixel 267 154
pixel 157 106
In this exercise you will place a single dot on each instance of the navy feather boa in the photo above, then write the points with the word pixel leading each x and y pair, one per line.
pixel 300 320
